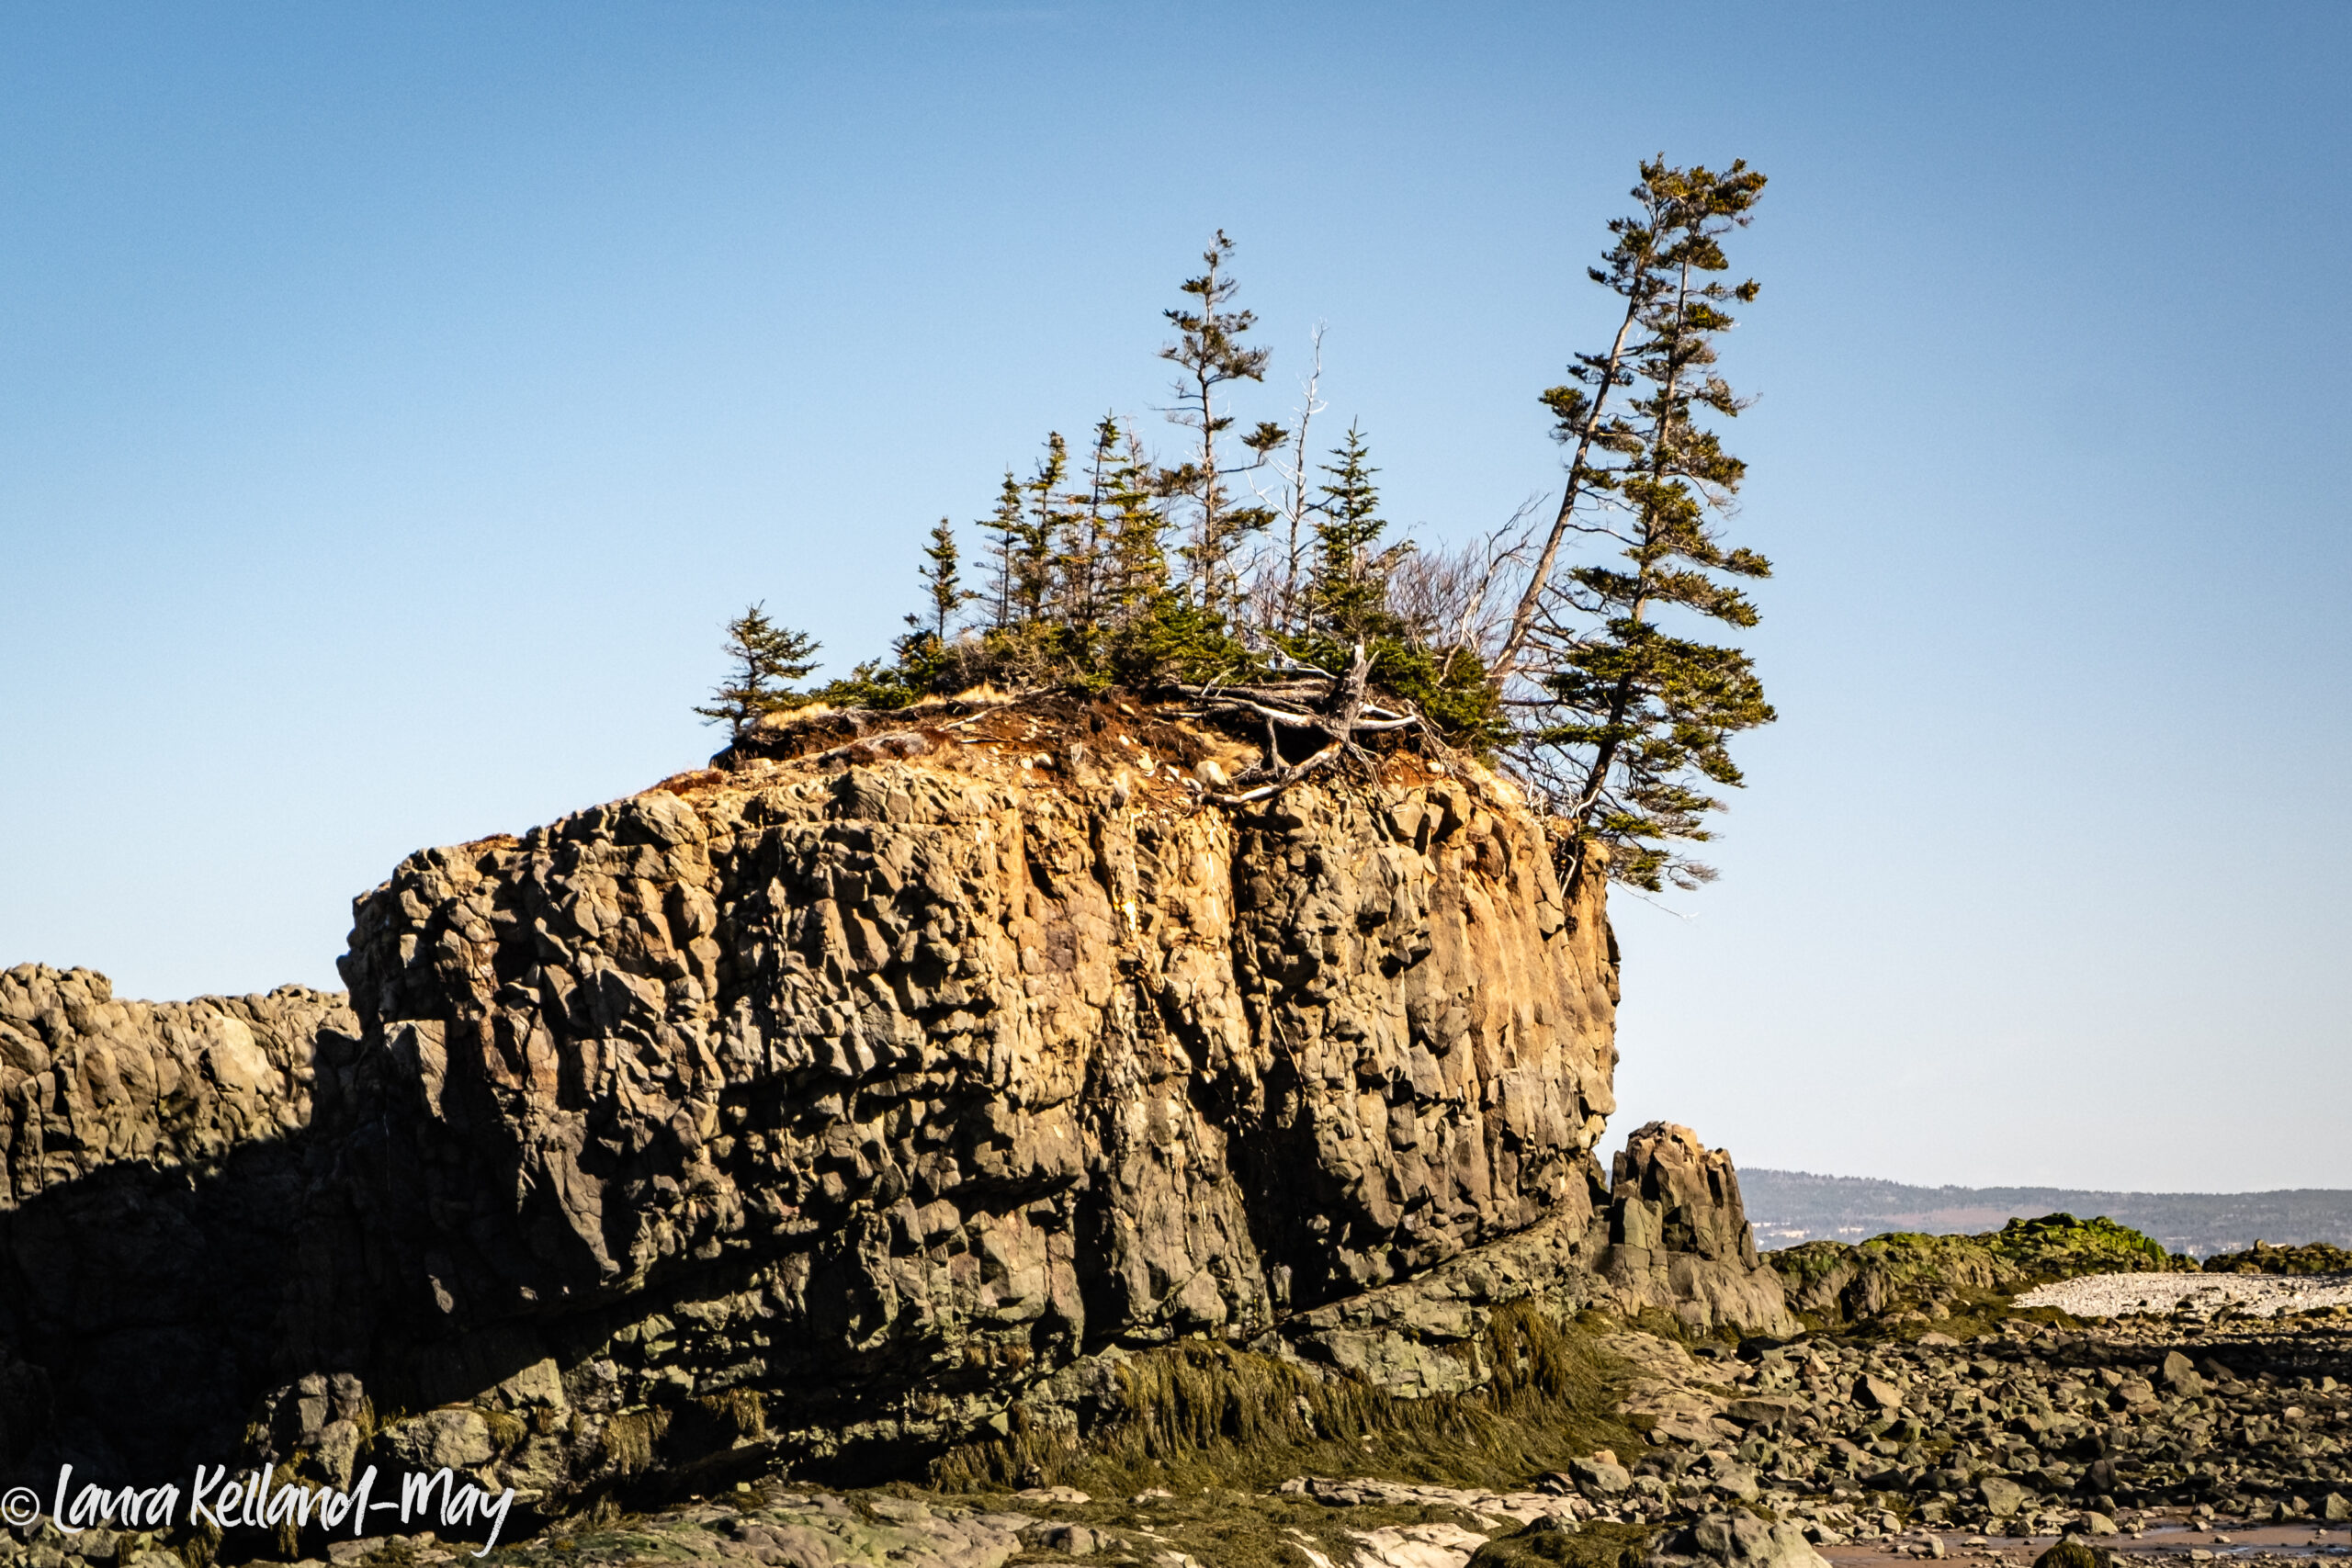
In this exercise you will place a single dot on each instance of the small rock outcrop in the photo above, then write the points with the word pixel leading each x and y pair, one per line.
pixel 1737 1538
pixel 1678 1239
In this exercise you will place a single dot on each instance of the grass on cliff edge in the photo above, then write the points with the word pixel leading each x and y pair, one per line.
pixel 1203 1415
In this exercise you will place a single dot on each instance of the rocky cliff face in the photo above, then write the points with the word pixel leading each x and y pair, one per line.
pixel 830 1106
pixel 153 1154
pixel 903 1080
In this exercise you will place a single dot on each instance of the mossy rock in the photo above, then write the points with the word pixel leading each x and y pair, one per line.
pixel 2060 1246
pixel 2312 1258
pixel 1204 1413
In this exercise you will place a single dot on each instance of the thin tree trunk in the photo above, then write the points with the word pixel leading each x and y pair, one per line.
pixel 1523 619
pixel 1588 798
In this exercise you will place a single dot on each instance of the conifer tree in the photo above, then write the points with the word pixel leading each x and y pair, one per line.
pixel 766 658
pixel 1347 588
pixel 1085 563
pixel 1136 573
pixel 1209 351
pixel 943 583
pixel 1004 529
pixel 1043 523
pixel 1631 721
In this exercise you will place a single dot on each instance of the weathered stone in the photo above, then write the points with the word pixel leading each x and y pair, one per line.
pixel 2002 1496
pixel 764 1107
pixel 1759 1412
pixel 151 1183
pixel 1678 1237
pixel 1877 1394
pixel 1738 1537
pixel 1604 1476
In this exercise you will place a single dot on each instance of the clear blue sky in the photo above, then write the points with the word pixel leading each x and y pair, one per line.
pixel 394 399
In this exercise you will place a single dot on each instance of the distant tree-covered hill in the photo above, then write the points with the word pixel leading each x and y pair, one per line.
pixel 1791 1206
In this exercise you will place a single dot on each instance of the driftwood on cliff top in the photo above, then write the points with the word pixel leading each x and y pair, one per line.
pixel 1337 707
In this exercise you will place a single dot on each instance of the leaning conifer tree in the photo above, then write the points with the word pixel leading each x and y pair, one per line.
pixel 766 659
pixel 1624 722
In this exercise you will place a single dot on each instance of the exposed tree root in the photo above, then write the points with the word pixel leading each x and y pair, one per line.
pixel 1335 706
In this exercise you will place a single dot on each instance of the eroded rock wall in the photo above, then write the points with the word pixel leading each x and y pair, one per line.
pixel 869 1093
pixel 837 1108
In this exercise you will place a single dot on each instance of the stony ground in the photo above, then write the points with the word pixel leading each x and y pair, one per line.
pixel 2202 1437
pixel 2252 1295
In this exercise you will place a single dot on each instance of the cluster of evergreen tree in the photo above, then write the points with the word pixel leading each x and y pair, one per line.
pixel 1115 567
pixel 1237 557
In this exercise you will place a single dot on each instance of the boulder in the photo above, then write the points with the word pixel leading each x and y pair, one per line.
pixel 1877 1394
pixel 1759 1412
pixel 2002 1496
pixel 1738 1481
pixel 1737 1537
pixel 1600 1475
pixel 2072 1553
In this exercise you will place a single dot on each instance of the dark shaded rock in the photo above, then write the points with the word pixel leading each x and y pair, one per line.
pixel 154 1159
pixel 1759 1412
pixel 2071 1554
pixel 1877 1394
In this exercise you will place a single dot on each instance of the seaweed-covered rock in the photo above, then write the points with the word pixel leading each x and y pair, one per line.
pixel 1931 1276
pixel 2072 1553
pixel 1835 1283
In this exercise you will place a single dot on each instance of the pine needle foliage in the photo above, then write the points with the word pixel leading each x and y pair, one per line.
pixel 1209 352
pixel 943 581
pixel 1347 586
